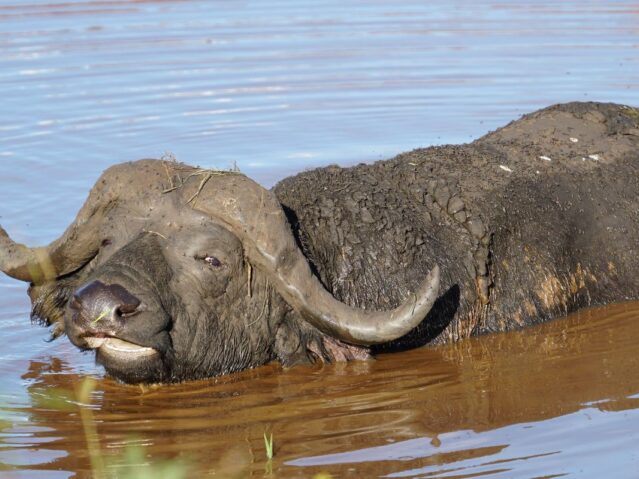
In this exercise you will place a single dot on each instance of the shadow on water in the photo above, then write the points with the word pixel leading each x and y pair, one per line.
pixel 554 399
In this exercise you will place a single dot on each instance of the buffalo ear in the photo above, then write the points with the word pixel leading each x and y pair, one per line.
pixel 297 342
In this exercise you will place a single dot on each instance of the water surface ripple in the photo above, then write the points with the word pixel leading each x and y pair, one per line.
pixel 277 87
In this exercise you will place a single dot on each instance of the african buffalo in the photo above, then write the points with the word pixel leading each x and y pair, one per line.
pixel 172 272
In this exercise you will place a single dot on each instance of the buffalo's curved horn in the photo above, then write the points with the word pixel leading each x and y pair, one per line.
pixel 256 217
pixel 79 243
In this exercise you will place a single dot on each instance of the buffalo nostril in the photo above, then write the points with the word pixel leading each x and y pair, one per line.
pixel 125 303
pixel 126 309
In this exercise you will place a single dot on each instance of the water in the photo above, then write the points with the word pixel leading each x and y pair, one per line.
pixel 277 88
pixel 560 399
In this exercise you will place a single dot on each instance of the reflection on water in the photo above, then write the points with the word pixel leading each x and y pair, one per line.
pixel 558 399
pixel 278 87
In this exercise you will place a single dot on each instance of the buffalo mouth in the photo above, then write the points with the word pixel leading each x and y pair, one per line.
pixel 124 360
pixel 117 348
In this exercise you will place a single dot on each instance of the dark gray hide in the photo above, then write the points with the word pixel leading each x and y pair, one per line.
pixel 526 223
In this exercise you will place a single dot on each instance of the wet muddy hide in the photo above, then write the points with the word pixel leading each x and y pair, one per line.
pixel 529 222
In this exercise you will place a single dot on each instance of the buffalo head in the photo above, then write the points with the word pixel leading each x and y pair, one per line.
pixel 172 273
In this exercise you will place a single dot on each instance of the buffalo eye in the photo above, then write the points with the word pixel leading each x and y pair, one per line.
pixel 211 260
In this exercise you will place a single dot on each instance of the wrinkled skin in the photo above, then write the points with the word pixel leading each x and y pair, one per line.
pixel 168 279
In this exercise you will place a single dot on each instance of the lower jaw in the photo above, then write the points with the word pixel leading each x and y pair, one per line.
pixel 132 368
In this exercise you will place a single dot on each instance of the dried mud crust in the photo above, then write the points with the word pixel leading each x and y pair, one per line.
pixel 527 223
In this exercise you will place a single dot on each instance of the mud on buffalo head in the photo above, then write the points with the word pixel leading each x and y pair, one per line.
pixel 172 273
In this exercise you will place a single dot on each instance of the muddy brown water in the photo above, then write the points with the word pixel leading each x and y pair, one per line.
pixel 559 399
pixel 277 87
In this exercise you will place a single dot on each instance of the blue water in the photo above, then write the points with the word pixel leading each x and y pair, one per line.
pixel 510 449
pixel 274 87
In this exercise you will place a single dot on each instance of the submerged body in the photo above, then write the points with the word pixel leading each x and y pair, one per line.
pixel 173 273
pixel 527 223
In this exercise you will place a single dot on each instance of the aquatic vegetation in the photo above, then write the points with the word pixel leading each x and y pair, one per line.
pixel 268 445
pixel 133 463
